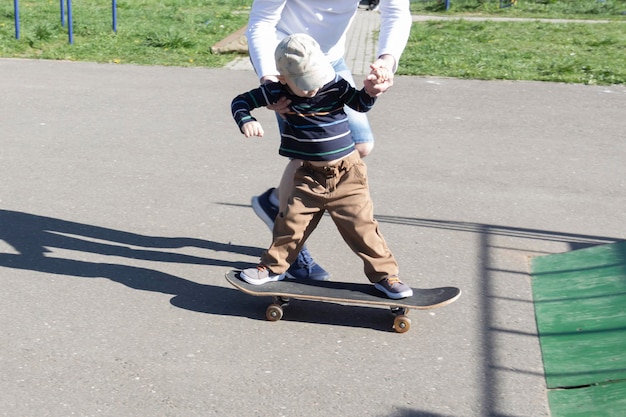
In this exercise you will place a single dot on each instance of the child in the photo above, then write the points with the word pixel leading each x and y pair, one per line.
pixel 332 177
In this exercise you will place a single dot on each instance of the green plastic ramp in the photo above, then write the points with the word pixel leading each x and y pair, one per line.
pixel 580 306
pixel 592 401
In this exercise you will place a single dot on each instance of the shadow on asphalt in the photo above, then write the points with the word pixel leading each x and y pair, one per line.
pixel 490 300
pixel 575 241
pixel 31 235
pixel 406 412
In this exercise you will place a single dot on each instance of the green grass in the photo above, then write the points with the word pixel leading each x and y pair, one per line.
pixel 557 9
pixel 572 53
pixel 181 33
pixel 149 32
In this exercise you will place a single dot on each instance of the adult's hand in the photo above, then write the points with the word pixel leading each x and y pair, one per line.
pixel 376 84
pixel 282 105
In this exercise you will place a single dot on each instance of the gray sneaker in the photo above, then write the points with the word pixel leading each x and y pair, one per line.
pixel 260 274
pixel 393 287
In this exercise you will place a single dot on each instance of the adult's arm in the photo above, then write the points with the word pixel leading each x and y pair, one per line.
pixel 395 28
pixel 262 36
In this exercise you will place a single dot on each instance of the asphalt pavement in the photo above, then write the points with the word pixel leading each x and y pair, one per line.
pixel 126 198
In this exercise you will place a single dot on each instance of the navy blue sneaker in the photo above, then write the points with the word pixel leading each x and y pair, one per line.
pixel 304 267
pixel 264 208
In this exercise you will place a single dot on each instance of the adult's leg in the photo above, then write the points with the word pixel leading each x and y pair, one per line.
pixel 359 124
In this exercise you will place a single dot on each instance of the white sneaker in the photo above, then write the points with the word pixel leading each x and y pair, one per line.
pixel 259 275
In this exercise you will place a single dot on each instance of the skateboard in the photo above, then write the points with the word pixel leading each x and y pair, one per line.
pixel 344 293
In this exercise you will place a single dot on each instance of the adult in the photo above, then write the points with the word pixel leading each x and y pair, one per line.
pixel 327 21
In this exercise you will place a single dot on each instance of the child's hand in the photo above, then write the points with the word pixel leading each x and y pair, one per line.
pixel 252 128
pixel 380 79
pixel 381 74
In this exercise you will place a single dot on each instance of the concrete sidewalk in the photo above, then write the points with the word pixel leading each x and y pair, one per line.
pixel 125 199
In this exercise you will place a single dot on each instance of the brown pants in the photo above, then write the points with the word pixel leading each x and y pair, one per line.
pixel 343 191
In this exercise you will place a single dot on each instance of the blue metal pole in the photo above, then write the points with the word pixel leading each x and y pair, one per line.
pixel 114 14
pixel 61 7
pixel 70 26
pixel 447 4
pixel 16 12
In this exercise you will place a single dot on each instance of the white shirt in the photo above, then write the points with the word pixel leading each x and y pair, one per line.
pixel 327 21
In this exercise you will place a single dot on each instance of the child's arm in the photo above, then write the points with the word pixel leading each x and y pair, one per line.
pixel 243 104
pixel 359 100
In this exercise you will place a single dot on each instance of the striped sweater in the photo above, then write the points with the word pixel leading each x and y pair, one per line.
pixel 315 128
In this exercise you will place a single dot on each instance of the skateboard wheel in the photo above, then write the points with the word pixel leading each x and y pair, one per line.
pixel 274 312
pixel 401 324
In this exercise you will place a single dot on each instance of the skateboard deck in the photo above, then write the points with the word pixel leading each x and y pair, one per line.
pixel 344 293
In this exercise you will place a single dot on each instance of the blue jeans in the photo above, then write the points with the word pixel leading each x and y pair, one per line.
pixel 359 124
